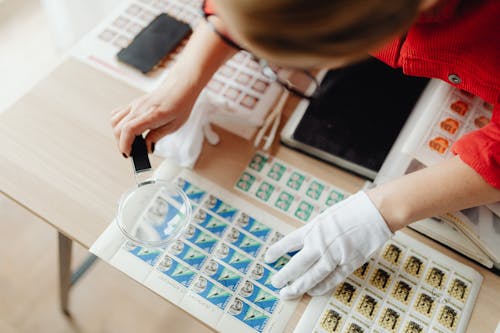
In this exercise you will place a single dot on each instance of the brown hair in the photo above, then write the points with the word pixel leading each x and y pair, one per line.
pixel 322 28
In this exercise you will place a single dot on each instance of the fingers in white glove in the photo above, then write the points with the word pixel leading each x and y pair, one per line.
pixel 297 266
pixel 212 137
pixel 345 235
pixel 331 280
pixel 314 275
pixel 291 242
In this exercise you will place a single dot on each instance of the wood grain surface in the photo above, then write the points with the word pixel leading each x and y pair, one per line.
pixel 60 161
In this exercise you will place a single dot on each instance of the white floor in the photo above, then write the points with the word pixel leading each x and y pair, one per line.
pixel 34 34
pixel 26 48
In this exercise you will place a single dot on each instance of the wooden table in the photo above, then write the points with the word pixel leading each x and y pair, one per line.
pixel 59 161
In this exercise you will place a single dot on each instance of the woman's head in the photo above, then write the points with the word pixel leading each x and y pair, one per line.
pixel 316 33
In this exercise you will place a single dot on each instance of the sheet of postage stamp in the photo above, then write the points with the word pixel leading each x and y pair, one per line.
pixel 456 113
pixel 215 271
pixel 238 89
pixel 406 287
pixel 287 189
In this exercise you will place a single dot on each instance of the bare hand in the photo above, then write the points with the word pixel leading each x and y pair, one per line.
pixel 161 112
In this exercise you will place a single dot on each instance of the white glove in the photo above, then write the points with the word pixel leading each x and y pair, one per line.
pixel 331 246
pixel 184 145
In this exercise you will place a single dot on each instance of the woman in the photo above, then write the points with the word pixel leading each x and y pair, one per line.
pixel 453 40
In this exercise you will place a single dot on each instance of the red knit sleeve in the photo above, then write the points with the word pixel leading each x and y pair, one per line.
pixel 481 149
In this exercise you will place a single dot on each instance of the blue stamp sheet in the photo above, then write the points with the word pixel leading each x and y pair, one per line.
pixel 262 274
pixel 254 227
pixel 248 315
pixel 188 254
pixel 176 271
pixel 217 206
pixel 278 264
pixel 210 223
pixel 258 296
pixel 233 258
pixel 243 242
pixel 222 274
pixel 193 192
pixel 148 255
pixel 200 238
pixel 212 293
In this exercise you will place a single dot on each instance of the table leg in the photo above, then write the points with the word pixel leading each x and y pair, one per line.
pixel 65 250
pixel 67 278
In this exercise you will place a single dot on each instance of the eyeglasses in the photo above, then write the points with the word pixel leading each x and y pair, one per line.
pixel 299 82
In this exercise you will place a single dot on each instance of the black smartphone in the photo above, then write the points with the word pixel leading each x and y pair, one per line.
pixel 154 42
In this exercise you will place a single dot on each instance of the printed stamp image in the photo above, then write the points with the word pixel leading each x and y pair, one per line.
pixel 248 315
pixel 436 278
pixel 177 271
pixel 381 279
pixel 246 243
pixel 425 304
pixel 284 201
pixel 368 306
pixel 277 171
pixel 390 319
pixel 334 197
pixel 254 227
pixel 362 271
pixel 245 182
pixel 232 257
pixel 193 192
pixel 392 254
pixel 458 289
pixel 448 317
pixel 402 292
pixel 214 225
pixel 295 181
pixel 258 296
pixel 188 254
pixel 223 275
pixel 219 207
pixel 414 266
pixel 413 327
pixel 257 162
pixel 315 190
pixel 264 191
pixel 212 293
pixel 304 211
pixel 354 328
pixel 331 321
pixel 346 293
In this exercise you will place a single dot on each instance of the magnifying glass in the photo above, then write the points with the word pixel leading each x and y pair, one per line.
pixel 154 212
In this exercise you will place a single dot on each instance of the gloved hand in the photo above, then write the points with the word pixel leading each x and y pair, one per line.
pixel 331 246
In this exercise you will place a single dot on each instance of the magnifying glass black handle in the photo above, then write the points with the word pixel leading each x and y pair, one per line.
pixel 139 155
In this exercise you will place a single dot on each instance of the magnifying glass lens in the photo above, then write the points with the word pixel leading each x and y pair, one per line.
pixel 154 213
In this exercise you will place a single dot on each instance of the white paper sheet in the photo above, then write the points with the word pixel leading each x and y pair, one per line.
pixel 407 287
pixel 216 272
pixel 445 114
pixel 287 189
pixel 242 94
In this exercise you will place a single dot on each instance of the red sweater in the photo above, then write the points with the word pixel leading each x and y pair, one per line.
pixel 458 42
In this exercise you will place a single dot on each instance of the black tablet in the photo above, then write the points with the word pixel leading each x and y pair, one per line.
pixel 357 116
